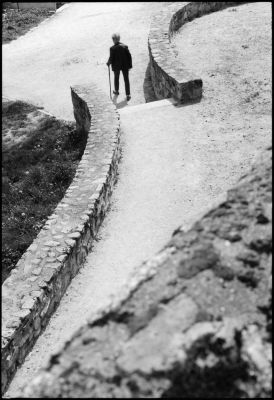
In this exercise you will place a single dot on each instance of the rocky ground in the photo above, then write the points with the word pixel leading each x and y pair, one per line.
pixel 201 326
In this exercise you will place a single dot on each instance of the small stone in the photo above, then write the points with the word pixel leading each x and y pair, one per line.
pixel 33 247
pixel 262 244
pixel 14 271
pixel 64 250
pixel 23 313
pixel 202 258
pixel 53 265
pixel 70 242
pixel 36 293
pixel 32 278
pixel 44 251
pixel 41 254
pixel 43 284
pixel 234 236
pixel 36 271
pixel 47 277
pixel 62 257
pixel 37 323
pixel 249 257
pixel 60 249
pixel 262 219
pixel 74 235
pixel 57 236
pixel 28 304
pixel 13 324
pixel 5 340
pixel 36 261
pixel 66 230
pixel 27 268
pixel 51 259
pixel 51 243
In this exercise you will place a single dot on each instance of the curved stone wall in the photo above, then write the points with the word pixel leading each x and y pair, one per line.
pixel 35 287
pixel 170 79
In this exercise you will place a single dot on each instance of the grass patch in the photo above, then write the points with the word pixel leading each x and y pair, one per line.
pixel 16 23
pixel 40 155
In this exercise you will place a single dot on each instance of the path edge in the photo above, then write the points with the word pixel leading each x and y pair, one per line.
pixel 35 287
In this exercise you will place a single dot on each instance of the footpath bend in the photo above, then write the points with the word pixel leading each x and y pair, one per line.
pixel 176 160
pixel 71 48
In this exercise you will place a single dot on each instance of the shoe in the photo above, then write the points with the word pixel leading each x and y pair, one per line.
pixel 128 97
pixel 114 92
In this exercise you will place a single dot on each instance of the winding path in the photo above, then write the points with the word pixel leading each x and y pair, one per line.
pixel 71 48
pixel 170 154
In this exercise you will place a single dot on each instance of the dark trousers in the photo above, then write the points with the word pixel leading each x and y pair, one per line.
pixel 116 80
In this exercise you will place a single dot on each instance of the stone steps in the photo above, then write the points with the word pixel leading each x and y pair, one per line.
pixel 148 106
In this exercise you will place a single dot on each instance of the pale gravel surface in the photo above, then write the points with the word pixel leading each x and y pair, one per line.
pixel 72 47
pixel 173 167
pixel 234 58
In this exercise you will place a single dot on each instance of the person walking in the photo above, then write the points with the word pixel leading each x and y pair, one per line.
pixel 120 59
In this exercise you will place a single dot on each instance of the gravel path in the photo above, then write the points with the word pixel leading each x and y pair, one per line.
pixel 172 167
pixel 234 59
pixel 72 47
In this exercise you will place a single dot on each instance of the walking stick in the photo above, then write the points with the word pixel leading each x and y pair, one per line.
pixel 109 82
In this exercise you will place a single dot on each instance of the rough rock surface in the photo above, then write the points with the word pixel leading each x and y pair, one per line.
pixel 198 326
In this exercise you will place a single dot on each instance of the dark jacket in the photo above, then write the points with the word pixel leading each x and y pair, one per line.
pixel 120 57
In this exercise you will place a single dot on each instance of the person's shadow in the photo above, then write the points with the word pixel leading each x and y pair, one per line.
pixel 121 104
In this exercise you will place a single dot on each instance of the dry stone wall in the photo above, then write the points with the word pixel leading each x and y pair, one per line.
pixel 169 78
pixel 35 287
pixel 194 322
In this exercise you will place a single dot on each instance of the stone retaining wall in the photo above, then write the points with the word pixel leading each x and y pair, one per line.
pixel 35 287
pixel 169 78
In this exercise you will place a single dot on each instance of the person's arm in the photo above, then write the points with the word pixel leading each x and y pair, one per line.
pixel 129 59
pixel 110 60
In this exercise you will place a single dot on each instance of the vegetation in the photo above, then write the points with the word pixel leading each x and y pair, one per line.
pixel 16 23
pixel 40 155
